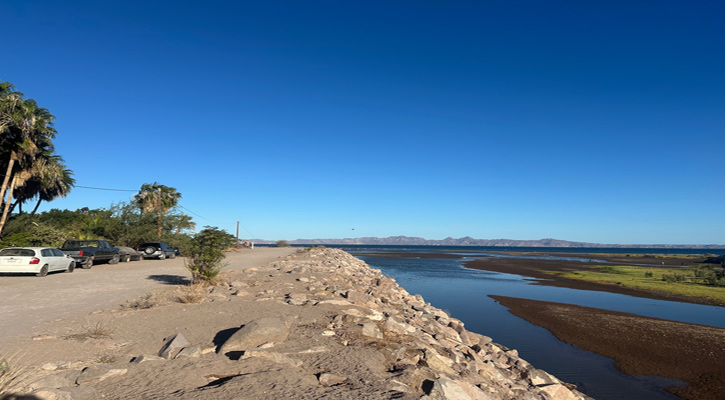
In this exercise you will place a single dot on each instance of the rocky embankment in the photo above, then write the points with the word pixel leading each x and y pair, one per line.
pixel 317 324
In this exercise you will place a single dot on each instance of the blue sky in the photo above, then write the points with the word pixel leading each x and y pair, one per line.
pixel 599 121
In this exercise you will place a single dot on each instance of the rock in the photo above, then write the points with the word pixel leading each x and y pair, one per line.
pixel 436 362
pixel 370 329
pixel 49 394
pixel 56 380
pixel 398 327
pixel 336 302
pixel 297 296
pixel 272 356
pixel 81 392
pixel 449 390
pixel 557 391
pixel 328 333
pixel 173 346
pixel 238 284
pixel 189 352
pixel 255 333
pixel 357 297
pixel 249 270
pixel 98 373
pixel 353 312
pixel 328 379
pixel 49 367
pixel 240 293
pixel 539 378
pixel 145 357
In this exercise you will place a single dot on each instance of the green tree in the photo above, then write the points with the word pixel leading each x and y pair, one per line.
pixel 157 198
pixel 205 258
pixel 50 179
pixel 25 130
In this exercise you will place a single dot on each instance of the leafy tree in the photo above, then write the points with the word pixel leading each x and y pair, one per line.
pixel 157 198
pixel 282 243
pixel 205 258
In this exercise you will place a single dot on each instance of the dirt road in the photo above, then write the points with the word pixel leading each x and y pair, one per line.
pixel 29 302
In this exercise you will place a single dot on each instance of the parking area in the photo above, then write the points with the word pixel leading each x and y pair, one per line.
pixel 28 302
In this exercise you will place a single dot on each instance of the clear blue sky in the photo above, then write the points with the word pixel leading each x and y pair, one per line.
pixel 600 121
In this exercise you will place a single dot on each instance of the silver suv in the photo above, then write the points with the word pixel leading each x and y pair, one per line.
pixel 158 250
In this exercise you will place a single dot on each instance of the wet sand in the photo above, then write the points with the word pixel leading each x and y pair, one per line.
pixel 639 345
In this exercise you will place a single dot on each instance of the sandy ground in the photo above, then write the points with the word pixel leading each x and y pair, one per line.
pixel 639 345
pixel 29 302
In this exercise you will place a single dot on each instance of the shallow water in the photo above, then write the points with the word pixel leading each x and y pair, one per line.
pixel 448 285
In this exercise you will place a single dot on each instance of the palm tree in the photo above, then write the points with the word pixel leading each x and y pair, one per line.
pixel 25 126
pixel 159 198
pixel 50 179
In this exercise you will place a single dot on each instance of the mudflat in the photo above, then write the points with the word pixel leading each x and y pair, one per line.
pixel 639 345
pixel 541 270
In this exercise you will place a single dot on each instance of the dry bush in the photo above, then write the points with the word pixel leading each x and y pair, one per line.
pixel 108 358
pixel 11 376
pixel 149 300
pixel 192 294
pixel 96 330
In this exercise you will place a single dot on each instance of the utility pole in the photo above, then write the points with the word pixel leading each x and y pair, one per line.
pixel 237 234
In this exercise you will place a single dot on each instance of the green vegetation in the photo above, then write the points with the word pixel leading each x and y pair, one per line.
pixel 205 256
pixel 282 243
pixel 123 224
pixel 157 198
pixel 29 167
pixel 705 281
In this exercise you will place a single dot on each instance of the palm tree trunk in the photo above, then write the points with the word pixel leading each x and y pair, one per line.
pixel 7 205
pixel 11 162
pixel 158 225
pixel 16 204
pixel 32 214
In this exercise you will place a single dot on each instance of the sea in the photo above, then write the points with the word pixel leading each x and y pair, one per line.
pixel 447 284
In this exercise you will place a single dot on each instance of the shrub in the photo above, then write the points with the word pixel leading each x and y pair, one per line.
pixel 282 243
pixel 97 330
pixel 648 274
pixel 10 378
pixel 205 256
pixel 192 294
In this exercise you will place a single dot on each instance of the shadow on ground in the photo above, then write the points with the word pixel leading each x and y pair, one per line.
pixel 170 279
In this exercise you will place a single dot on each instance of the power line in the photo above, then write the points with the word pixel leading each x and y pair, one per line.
pixel 113 190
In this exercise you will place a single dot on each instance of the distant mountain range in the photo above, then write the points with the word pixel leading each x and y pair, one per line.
pixel 469 241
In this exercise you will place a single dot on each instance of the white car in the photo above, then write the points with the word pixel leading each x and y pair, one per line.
pixel 35 260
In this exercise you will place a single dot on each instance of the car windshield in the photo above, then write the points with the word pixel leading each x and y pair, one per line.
pixel 74 244
pixel 17 252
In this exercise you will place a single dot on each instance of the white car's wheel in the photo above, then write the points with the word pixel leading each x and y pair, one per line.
pixel 43 271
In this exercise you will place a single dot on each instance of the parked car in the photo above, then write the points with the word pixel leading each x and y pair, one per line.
pixel 35 260
pixel 127 254
pixel 89 252
pixel 158 250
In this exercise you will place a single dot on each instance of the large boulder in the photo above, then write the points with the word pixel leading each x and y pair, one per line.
pixel 256 333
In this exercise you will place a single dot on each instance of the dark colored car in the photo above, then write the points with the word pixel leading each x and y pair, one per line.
pixel 158 250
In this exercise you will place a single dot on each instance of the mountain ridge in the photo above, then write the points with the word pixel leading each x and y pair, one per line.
pixel 469 241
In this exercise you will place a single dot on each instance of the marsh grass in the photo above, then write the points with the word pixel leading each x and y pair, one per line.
pixel 93 330
pixel 646 278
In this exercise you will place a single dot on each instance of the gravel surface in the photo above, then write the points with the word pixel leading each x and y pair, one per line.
pixel 30 302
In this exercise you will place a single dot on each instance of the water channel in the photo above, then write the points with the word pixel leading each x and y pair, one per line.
pixel 446 284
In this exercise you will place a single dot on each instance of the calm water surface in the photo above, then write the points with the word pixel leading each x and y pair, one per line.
pixel 446 284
